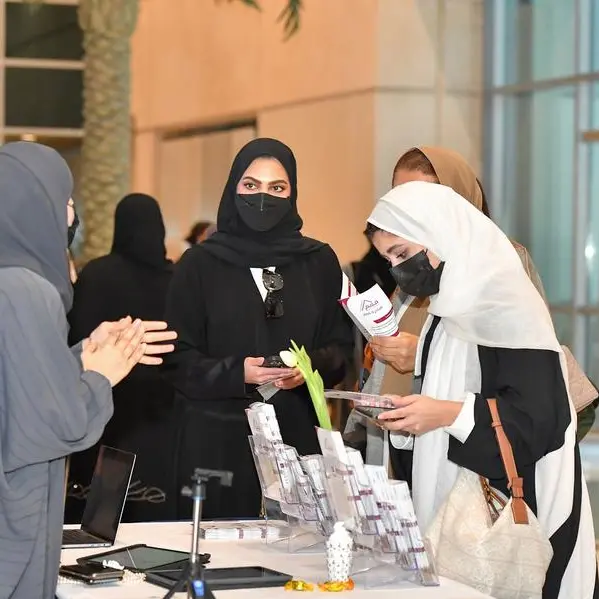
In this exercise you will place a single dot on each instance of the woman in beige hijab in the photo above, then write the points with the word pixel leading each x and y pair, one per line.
pixel 444 166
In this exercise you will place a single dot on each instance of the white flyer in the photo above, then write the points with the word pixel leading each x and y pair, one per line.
pixel 371 312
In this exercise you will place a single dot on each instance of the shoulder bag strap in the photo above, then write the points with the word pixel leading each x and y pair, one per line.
pixel 514 482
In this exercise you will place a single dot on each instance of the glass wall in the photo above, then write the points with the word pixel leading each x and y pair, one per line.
pixel 41 70
pixel 542 151
pixel 41 78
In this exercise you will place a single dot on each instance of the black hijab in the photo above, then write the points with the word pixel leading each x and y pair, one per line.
pixel 35 187
pixel 139 231
pixel 234 241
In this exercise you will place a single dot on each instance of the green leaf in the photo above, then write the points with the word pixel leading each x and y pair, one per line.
pixel 252 3
pixel 290 15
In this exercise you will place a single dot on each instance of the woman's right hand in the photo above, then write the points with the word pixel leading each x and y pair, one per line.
pixel 256 374
pixel 117 356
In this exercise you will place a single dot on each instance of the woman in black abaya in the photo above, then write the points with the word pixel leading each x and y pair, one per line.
pixel 242 296
pixel 132 279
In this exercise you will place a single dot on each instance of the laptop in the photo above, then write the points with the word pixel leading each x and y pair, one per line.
pixel 105 501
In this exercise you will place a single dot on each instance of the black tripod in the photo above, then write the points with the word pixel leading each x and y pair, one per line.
pixel 192 576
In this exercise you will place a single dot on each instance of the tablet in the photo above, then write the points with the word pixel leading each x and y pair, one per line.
pixel 140 558
pixel 222 579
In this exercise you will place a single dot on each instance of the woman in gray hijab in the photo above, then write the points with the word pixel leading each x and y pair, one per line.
pixel 53 400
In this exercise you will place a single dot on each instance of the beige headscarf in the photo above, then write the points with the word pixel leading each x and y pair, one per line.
pixel 452 170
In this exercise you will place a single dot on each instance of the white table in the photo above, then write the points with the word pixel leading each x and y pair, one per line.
pixel 177 535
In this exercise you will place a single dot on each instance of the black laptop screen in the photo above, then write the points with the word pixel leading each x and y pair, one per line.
pixel 107 493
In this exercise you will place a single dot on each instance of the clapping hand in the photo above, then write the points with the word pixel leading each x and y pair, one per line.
pixel 117 355
pixel 154 335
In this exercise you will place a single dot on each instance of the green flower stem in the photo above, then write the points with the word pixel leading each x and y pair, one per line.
pixel 314 384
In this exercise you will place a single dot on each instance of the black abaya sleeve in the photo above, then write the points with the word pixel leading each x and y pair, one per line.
pixel 192 372
pixel 533 407
pixel 335 336
pixel 88 309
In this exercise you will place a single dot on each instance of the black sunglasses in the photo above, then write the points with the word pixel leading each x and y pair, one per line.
pixel 273 304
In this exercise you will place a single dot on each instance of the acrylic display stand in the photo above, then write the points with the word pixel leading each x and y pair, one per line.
pixel 291 512
pixel 307 495
pixel 389 548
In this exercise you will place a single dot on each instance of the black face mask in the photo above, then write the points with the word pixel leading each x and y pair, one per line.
pixel 417 277
pixel 261 211
pixel 72 231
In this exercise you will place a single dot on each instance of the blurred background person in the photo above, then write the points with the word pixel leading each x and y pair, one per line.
pixel 369 270
pixel 241 297
pixel 200 232
pixel 132 279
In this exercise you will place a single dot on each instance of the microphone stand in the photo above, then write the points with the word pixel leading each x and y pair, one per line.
pixel 192 576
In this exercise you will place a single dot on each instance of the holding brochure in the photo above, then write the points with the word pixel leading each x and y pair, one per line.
pixel 371 311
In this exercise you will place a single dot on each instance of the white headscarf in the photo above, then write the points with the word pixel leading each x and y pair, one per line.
pixel 485 295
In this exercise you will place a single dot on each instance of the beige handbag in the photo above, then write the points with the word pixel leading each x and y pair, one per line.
pixel 582 391
pixel 489 543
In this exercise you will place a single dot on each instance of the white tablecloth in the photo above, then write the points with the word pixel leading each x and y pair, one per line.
pixel 177 535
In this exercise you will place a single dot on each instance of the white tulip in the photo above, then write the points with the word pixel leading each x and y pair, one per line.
pixel 288 359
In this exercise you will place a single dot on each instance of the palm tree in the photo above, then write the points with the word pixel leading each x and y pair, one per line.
pixel 106 150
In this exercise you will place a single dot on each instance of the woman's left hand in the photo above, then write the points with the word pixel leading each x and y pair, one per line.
pixel 419 414
pixel 398 351
pixel 292 382
pixel 155 334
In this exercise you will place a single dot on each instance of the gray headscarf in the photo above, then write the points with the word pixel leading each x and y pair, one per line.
pixel 35 187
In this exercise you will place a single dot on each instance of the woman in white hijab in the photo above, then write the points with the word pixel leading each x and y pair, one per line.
pixel 489 335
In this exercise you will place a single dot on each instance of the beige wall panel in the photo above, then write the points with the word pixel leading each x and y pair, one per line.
pixel 406 43
pixel 179 188
pixel 461 127
pixel 333 144
pixel 403 120
pixel 239 137
pixel 217 155
pixel 145 162
pixel 195 63
pixel 211 61
pixel 463 45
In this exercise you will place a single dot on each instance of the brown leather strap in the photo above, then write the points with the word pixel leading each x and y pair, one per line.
pixel 514 483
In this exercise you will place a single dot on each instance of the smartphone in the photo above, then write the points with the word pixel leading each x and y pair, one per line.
pixel 92 573
pixel 273 362
pixel 371 413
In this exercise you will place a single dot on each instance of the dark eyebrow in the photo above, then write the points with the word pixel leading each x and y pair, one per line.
pixel 258 182
pixel 395 248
